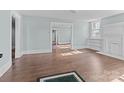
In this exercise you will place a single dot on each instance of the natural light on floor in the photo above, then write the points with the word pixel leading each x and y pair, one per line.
pixel 63 46
pixel 120 79
pixel 71 53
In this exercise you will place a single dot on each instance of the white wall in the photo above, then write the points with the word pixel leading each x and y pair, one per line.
pixel 112 19
pixel 5 41
pixel 80 34
pixel 113 35
pixel 36 34
pixel 18 35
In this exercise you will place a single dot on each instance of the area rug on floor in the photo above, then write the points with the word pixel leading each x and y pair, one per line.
pixel 62 77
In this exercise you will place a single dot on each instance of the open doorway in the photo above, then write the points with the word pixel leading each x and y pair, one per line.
pixel 54 39
pixel 13 38
pixel 61 35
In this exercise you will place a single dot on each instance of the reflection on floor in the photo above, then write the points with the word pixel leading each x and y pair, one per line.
pixel 119 79
pixel 89 64
pixel 62 46
pixel 71 53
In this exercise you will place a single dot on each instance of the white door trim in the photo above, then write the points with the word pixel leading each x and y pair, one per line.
pixel 17 34
pixel 51 25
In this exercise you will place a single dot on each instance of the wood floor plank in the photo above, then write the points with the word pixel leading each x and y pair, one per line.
pixel 93 67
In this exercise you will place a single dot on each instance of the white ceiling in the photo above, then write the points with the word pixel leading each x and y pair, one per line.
pixel 71 14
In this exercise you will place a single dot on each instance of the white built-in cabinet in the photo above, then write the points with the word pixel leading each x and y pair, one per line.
pixel 113 39
pixel 95 44
pixel 94 41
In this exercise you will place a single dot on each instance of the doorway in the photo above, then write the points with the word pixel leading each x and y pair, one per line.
pixel 13 38
pixel 54 39
pixel 61 35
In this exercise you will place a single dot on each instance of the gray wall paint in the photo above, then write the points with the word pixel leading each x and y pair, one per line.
pixel 112 35
pixel 36 33
pixel 5 40
pixel 80 34
pixel 113 19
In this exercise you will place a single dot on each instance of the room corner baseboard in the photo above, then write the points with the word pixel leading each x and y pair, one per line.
pixel 18 56
pixel 36 51
pixel 5 68
pixel 107 54
pixel 79 47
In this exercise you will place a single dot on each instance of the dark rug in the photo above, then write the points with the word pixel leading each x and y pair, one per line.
pixel 62 77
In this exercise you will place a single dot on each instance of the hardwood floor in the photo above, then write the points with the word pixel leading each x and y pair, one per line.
pixel 93 67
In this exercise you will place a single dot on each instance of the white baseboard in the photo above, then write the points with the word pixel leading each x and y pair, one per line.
pixel 36 51
pixel 64 43
pixel 107 54
pixel 79 47
pixel 18 55
pixel 4 68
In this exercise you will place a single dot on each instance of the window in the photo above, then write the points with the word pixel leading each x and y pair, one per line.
pixel 95 30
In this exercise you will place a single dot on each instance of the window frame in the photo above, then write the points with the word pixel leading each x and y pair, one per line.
pixel 94 27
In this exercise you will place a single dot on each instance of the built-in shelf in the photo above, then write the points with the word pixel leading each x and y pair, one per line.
pixel 95 44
